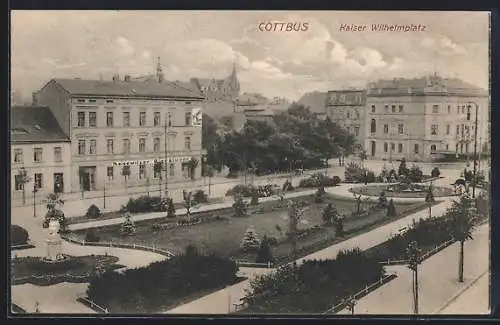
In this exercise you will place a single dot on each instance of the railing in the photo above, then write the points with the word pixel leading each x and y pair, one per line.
pixel 152 249
pixel 423 257
pixel 369 288
pixel 86 301
pixel 267 265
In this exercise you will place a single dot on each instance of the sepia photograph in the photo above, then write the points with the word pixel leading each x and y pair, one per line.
pixel 240 163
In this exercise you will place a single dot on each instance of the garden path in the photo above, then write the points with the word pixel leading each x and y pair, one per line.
pixel 438 282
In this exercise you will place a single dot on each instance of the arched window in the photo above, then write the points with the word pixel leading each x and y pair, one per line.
pixel 433 148
pixel 373 126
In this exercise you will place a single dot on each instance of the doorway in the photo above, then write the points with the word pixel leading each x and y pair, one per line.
pixel 87 178
pixel 373 148
pixel 58 183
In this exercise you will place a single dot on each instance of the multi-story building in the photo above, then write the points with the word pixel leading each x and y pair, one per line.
pixel 118 128
pixel 418 119
pixel 41 149
pixel 227 88
pixel 347 108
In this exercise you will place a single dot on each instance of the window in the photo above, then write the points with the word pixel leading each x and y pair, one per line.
pixel 467 130
pixel 156 120
pixel 38 154
pixel 111 172
pixel 142 118
pixel 463 109
pixel 348 129
pixel 458 129
pixel 110 146
pixel 18 155
pixel 401 128
pixel 386 147
pixel 81 119
pixel 187 143
pixel 126 119
pixel 80 100
pixel 433 148
pixel 39 180
pixel 172 170
pixel 142 171
pixel 386 128
pixel 92 119
pixel 449 109
pixel 109 101
pixel 463 129
pixel 57 154
pixel 356 131
pixel 447 147
pixel 434 129
pixel 157 170
pixel 170 119
pixel 435 108
pixel 187 117
pixel 400 108
pixel 373 108
pixel 468 113
pixel 18 182
pixel 393 146
pixel 386 108
pixel 81 147
pixel 109 119
pixel 373 126
pixel 456 148
pixel 92 101
pixel 126 146
pixel 348 114
pixel 93 147
pixel 142 145
pixel 156 144
pixel 393 107
pixel 416 148
pixel 448 129
pixel 400 147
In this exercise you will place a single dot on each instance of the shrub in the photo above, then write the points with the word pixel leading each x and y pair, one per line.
pixel 287 186
pixel 18 235
pixel 240 207
pixel 93 212
pixel 319 179
pixel 272 241
pixel 128 226
pixel 144 204
pixel 391 209
pixel 242 190
pixel 170 208
pixel 200 197
pixel 91 236
pixel 403 170
pixel 355 173
pixel 329 214
pixel 319 196
pixel 415 174
pixel 336 180
pixel 254 200
pixel 382 200
pixel 435 172
pixel 250 242
pixel 264 254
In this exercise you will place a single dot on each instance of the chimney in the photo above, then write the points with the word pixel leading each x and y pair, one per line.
pixel 127 78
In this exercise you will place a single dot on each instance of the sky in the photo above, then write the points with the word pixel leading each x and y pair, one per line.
pixel 205 44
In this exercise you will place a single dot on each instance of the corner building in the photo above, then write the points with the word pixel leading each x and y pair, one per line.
pixel 418 119
pixel 116 121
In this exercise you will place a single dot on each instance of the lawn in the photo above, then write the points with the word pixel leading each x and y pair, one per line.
pixel 222 236
pixel 375 190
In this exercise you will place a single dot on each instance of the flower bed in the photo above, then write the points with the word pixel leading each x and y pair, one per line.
pixel 375 190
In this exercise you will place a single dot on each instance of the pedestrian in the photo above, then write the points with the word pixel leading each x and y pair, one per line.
pixel 37 307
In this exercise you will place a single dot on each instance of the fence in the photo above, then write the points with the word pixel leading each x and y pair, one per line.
pixel 92 305
pixel 369 288
pixel 151 249
pixel 267 265
pixel 424 256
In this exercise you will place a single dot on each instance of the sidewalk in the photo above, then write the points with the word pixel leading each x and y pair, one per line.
pixel 438 281
pixel 219 302
pixel 475 299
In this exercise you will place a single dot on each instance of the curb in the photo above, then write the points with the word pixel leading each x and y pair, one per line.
pixel 455 297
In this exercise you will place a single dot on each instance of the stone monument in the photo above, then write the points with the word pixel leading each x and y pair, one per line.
pixel 54 242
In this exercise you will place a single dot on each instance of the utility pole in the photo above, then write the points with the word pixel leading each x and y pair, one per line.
pixel 35 189
pixel 165 164
pixel 104 194
pixel 475 153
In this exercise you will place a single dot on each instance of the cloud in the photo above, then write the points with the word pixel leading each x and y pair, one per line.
pixel 125 46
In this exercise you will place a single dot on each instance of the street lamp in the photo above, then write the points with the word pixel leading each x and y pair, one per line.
pixel 351 302
pixel 475 147
pixel 35 189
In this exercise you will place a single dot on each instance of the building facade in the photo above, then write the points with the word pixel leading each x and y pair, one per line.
pixel 347 108
pixel 42 150
pixel 227 88
pixel 418 119
pixel 119 128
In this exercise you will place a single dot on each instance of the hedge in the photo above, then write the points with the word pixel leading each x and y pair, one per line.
pixel 18 235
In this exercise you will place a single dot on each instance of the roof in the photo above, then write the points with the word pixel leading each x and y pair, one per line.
pixel 451 84
pixel 248 99
pixel 35 124
pixel 149 87
pixel 315 100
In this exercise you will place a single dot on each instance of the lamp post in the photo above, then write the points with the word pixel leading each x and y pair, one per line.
pixel 475 149
pixel 35 189
pixel 104 194
pixel 351 302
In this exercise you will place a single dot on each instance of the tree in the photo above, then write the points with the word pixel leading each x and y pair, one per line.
pixel 188 202
pixel 435 172
pixel 329 213
pixel 319 196
pixel 250 242
pixel 239 206
pixel 403 170
pixel 264 254
pixel 415 174
pixel 357 199
pixel 391 209
pixel 362 156
pixel 462 225
pixel 128 225
pixel 338 223
pixel 192 164
pixel 414 259
pixel 295 213
pixel 429 199
pixel 170 208
pixel 208 131
pixel 93 212
pixel 23 179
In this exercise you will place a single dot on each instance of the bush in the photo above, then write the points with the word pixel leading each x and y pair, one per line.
pixel 382 201
pixel 18 235
pixel 128 226
pixel 93 212
pixel 200 197
pixel 319 179
pixel 254 200
pixel 391 209
pixel 415 174
pixel 240 207
pixel 435 172
pixel 242 190
pixel 91 236
pixel 320 194
pixel 250 242
pixel 264 254
pixel 170 208
pixel 144 204
pixel 287 186
pixel 354 173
